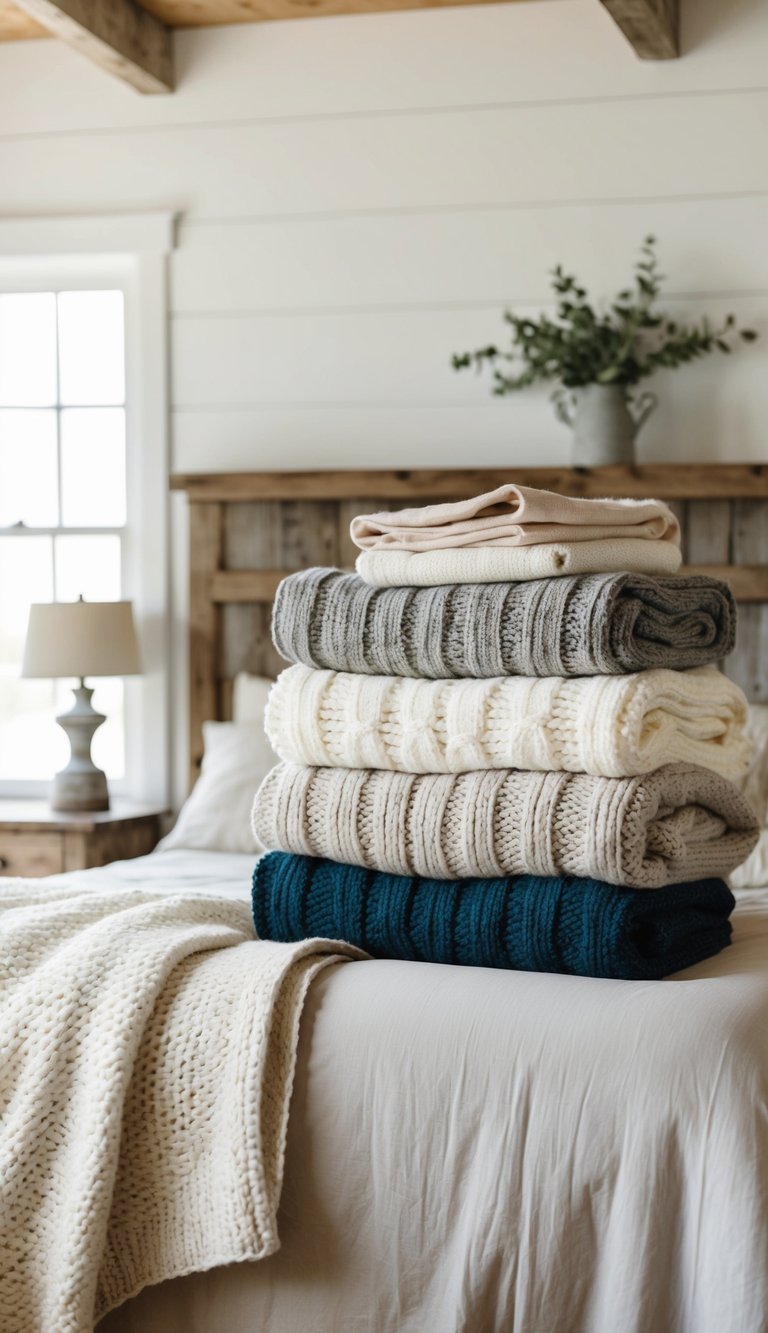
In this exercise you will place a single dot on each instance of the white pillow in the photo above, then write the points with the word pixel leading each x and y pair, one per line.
pixel 753 874
pixel 216 816
pixel 249 697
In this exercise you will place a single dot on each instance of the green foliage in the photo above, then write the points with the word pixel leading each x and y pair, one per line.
pixel 581 346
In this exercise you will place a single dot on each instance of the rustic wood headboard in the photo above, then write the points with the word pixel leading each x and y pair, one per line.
pixel 248 529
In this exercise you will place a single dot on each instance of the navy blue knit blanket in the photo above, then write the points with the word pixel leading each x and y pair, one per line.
pixel 529 923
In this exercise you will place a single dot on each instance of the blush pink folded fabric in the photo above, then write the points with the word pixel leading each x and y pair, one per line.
pixel 514 516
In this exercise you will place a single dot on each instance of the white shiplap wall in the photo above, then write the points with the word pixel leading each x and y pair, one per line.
pixel 358 197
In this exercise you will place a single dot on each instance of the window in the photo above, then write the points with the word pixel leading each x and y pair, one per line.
pixel 83 479
pixel 62 502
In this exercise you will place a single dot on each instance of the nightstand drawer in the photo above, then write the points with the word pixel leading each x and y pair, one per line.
pixel 31 854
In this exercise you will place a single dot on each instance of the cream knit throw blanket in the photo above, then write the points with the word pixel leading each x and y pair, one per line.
pixel 673 825
pixel 611 726
pixel 511 564
pixel 146 1067
pixel 513 516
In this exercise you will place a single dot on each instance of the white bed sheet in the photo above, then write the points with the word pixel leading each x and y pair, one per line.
pixel 506 1152
pixel 179 871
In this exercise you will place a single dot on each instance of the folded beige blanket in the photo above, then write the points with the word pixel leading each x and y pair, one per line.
pixel 392 568
pixel 673 825
pixel 612 726
pixel 148 1049
pixel 513 516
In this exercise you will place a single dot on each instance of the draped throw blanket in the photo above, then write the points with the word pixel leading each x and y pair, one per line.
pixel 579 926
pixel 512 564
pixel 676 824
pixel 147 1049
pixel 514 516
pixel 610 726
pixel 583 625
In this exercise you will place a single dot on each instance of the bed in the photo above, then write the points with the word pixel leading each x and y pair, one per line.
pixel 470 1150
pixel 491 1152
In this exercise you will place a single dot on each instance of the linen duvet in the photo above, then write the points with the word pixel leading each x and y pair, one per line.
pixel 477 1151
pixel 501 1152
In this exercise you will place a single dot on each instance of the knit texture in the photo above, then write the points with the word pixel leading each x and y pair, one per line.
pixel 511 564
pixel 513 516
pixel 582 625
pixel 676 824
pixel 145 1077
pixel 580 926
pixel 611 726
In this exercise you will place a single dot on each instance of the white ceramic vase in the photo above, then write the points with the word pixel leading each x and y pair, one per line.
pixel 605 422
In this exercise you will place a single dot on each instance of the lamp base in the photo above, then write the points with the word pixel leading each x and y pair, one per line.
pixel 80 785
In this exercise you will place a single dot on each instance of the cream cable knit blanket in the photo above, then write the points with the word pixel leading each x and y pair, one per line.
pixel 512 564
pixel 513 516
pixel 611 726
pixel 145 1073
pixel 673 825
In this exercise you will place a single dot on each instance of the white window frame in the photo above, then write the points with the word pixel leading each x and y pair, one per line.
pixel 129 254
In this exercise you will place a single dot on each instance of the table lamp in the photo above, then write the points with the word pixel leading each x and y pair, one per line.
pixel 81 639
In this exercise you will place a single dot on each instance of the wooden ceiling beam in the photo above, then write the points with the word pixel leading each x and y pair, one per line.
pixel 651 26
pixel 118 35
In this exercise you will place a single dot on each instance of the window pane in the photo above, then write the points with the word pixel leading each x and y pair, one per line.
pixel 93 467
pixel 28 349
pixel 29 744
pixel 88 567
pixel 91 348
pixel 28 490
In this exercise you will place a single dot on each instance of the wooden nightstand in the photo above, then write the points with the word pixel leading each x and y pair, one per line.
pixel 35 840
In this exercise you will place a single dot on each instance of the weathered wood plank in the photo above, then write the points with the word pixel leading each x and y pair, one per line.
pixel 748 664
pixel 253 535
pixel 310 533
pixel 119 35
pixel 246 585
pixel 650 26
pixel 205 548
pixel 668 481
pixel 749 582
pixel 708 532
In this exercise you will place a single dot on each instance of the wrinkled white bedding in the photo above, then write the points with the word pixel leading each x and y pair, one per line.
pixel 501 1152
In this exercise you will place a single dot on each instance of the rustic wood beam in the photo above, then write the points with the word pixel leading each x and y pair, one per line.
pixel 118 35
pixel 651 26
pixel 667 481
pixel 749 583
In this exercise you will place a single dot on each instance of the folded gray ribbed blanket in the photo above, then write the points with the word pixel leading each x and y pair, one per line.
pixel 679 823
pixel 584 625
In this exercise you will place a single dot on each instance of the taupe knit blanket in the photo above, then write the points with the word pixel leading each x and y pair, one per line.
pixel 679 823
pixel 583 625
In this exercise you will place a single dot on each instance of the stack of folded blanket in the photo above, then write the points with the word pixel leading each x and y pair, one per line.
pixel 502 733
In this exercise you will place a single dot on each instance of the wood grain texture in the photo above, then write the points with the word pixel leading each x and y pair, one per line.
pixel 120 36
pixel 16 26
pixel 35 840
pixel 651 26
pixel 748 664
pixel 666 481
pixel 749 583
pixel 205 552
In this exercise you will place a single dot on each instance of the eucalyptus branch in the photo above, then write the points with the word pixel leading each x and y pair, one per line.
pixel 578 345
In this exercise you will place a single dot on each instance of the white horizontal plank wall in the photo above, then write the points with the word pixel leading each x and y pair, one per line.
pixel 360 197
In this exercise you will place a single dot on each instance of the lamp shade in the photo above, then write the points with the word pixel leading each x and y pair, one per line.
pixel 81 639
